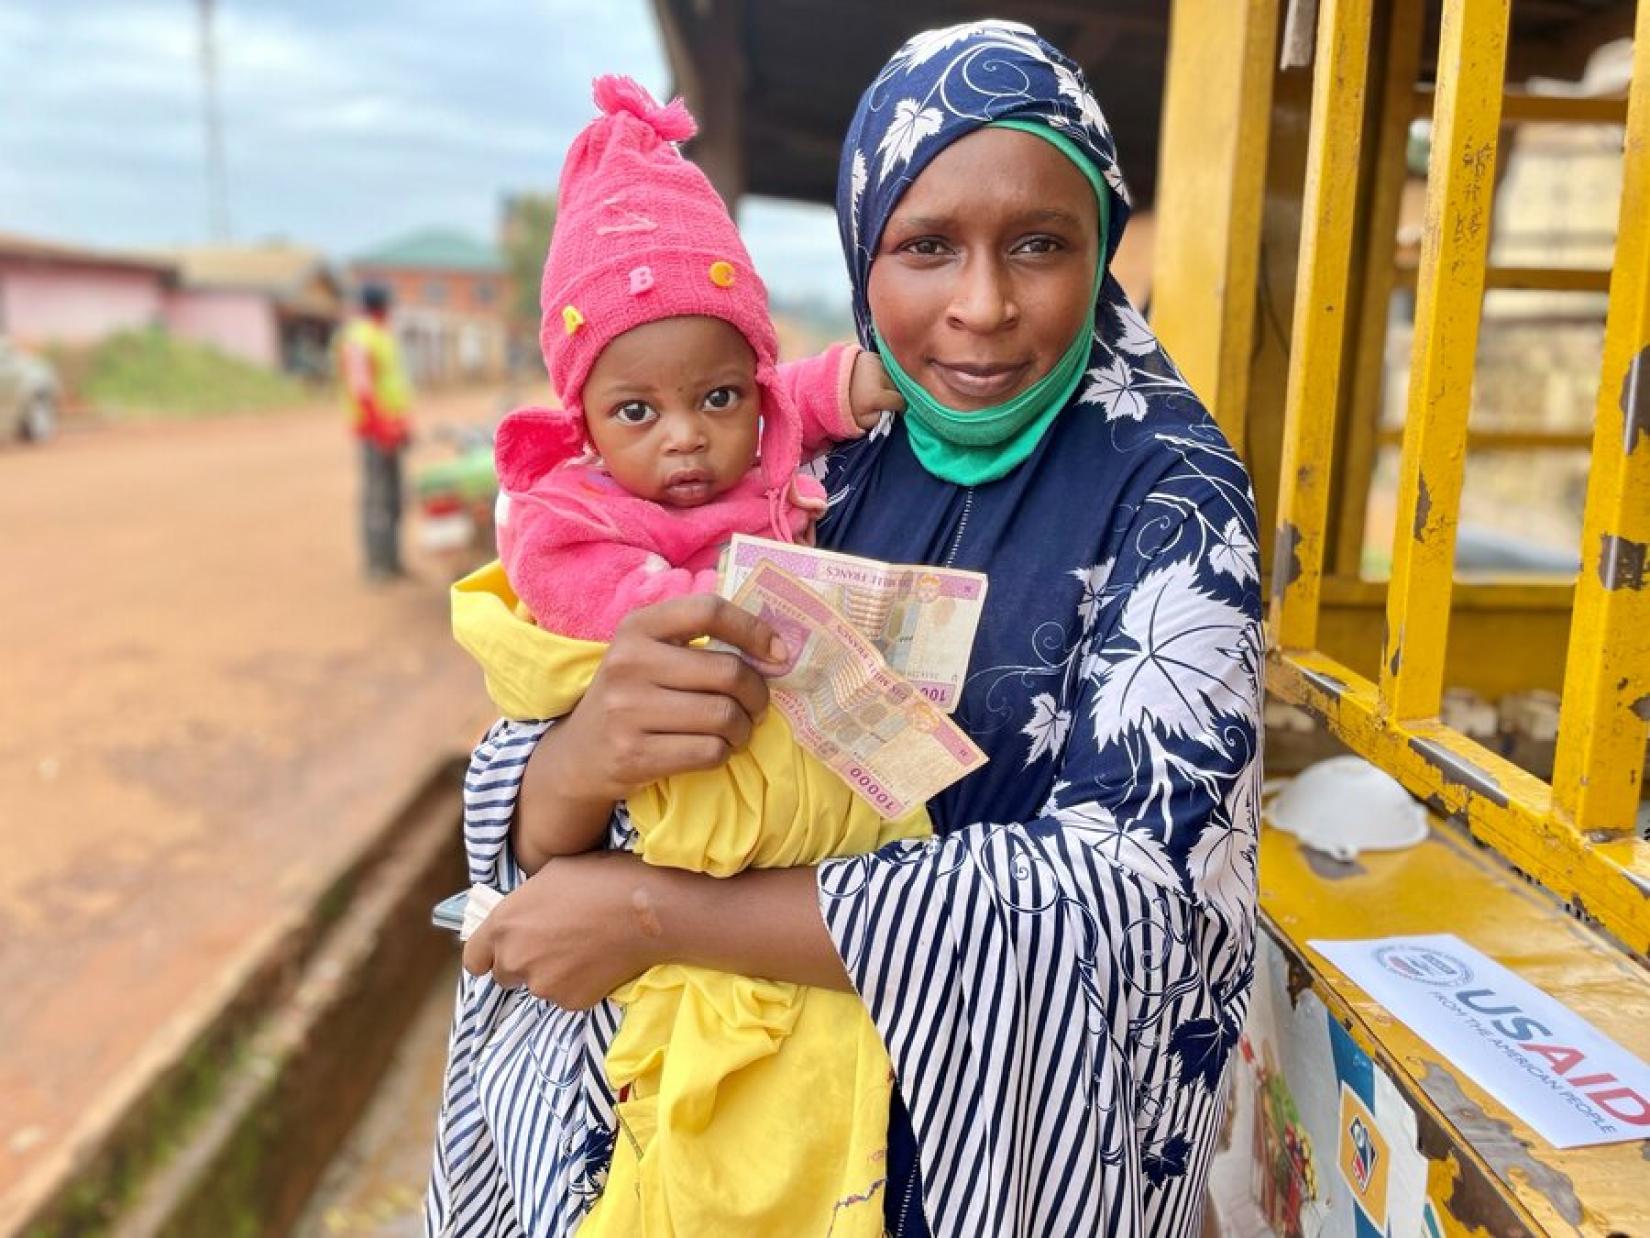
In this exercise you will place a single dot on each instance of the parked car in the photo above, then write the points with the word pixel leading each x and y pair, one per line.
pixel 29 394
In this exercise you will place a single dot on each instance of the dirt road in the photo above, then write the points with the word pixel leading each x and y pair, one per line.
pixel 201 709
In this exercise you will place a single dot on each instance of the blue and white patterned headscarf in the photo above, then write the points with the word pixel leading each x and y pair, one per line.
pixel 941 86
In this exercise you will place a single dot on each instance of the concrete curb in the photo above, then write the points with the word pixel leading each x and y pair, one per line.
pixel 227 1122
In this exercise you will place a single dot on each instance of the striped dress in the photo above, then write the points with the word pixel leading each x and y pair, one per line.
pixel 1060 975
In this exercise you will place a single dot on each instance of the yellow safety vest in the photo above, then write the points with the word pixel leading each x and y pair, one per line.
pixel 365 339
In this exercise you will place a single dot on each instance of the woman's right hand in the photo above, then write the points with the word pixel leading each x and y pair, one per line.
pixel 656 707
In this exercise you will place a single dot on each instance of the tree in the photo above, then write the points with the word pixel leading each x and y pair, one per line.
pixel 528 221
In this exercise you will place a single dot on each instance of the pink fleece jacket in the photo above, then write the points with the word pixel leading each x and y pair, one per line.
pixel 581 552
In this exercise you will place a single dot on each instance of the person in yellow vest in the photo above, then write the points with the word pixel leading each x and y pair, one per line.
pixel 379 397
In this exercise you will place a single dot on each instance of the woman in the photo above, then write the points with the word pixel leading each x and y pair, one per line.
pixel 1060 975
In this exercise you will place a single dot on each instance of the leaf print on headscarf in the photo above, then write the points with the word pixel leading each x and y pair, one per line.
pixel 1071 86
pixel 816 469
pixel 1093 580
pixel 1111 388
pixel 1124 390
pixel 1234 552
pixel 1113 176
pixel 1136 851
pixel 1047 728
pixel 1153 674
pixel 912 123
pixel 856 190
pixel 1133 335
pixel 919 49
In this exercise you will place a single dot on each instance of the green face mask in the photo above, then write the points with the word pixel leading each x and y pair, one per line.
pixel 969 448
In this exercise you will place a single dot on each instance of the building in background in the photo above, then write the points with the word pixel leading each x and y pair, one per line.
pixel 69 294
pixel 275 305
pixel 451 303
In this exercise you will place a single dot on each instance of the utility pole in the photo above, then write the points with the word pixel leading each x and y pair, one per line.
pixel 217 179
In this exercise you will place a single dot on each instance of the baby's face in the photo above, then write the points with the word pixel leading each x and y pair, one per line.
pixel 672 407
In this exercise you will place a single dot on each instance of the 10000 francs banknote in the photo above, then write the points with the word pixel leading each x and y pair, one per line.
pixel 844 704
pixel 921 619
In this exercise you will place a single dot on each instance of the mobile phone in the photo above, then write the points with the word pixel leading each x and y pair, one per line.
pixel 449 912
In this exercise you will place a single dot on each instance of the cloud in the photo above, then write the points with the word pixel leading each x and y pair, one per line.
pixel 343 124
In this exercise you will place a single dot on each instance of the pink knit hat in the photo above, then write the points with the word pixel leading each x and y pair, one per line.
pixel 641 235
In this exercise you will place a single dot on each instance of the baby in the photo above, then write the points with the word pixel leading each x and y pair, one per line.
pixel 678 429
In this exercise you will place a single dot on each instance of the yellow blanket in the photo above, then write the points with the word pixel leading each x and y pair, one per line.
pixel 748 1106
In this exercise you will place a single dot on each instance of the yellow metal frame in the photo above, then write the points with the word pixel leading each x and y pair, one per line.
pixel 1391 161
pixel 1213 149
pixel 1402 102
pixel 1518 107
pixel 1575 835
pixel 1607 677
pixel 1531 279
pixel 1509 440
pixel 1328 211
pixel 1449 292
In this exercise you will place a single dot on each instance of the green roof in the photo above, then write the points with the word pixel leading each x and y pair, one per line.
pixel 435 248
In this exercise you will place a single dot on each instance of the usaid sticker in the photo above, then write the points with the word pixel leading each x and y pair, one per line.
pixel 1559 1074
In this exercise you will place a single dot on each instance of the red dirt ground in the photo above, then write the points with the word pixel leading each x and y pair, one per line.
pixel 202 710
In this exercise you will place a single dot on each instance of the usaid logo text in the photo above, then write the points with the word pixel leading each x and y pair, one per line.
pixel 1566 1061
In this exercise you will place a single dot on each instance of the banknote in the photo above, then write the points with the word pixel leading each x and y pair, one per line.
pixel 463 913
pixel 847 707
pixel 921 619
pixel 477 908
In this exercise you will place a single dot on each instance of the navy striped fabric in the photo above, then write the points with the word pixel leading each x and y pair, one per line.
pixel 526 1123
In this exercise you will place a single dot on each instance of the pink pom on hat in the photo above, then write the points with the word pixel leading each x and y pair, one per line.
pixel 641 235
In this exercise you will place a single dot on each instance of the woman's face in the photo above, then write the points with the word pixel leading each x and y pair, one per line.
pixel 985 272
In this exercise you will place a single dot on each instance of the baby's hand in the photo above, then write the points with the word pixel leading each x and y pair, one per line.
pixel 870 392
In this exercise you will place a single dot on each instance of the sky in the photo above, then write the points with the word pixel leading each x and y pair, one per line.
pixel 344 125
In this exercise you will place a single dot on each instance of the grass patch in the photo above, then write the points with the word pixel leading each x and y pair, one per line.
pixel 149 373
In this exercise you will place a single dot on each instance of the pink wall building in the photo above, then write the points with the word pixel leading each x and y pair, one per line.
pixel 58 294
pixel 241 324
pixel 273 305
